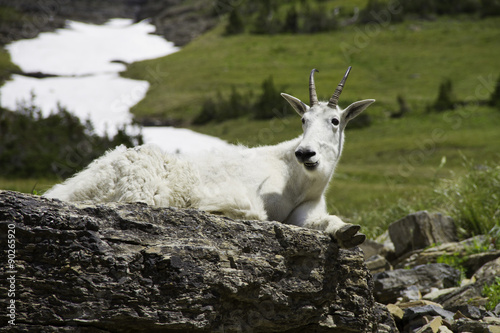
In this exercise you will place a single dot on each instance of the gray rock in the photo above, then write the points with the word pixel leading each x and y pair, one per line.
pixel 491 268
pixel 411 293
pixel 390 285
pixel 134 268
pixel 427 310
pixel 466 325
pixel 371 248
pixel 420 230
pixel 470 311
pixel 181 21
pixel 468 294
pixel 178 21
pixel 377 264
pixel 41 16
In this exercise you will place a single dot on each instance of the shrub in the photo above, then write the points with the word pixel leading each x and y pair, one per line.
pixel 292 21
pixel 445 99
pixel 404 108
pixel 492 292
pixel 490 8
pixel 473 200
pixel 235 24
pixel 269 101
pixel 495 96
pixel 372 13
pixel 32 145
pixel 221 109
pixel 318 20
pixel 267 105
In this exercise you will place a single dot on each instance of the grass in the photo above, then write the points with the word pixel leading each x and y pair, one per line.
pixel 27 185
pixel 492 292
pixel 6 66
pixel 388 169
pixel 409 59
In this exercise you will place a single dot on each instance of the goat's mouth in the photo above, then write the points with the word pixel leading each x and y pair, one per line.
pixel 311 165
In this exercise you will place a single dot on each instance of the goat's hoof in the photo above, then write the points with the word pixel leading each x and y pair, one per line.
pixel 348 236
pixel 356 240
pixel 347 231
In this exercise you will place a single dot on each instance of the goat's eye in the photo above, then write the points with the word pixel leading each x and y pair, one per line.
pixel 303 121
pixel 335 122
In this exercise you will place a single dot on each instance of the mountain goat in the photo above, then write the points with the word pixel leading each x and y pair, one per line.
pixel 285 182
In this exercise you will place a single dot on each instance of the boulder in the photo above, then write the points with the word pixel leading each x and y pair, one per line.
pixel 466 325
pixel 470 261
pixel 135 268
pixel 427 310
pixel 420 230
pixel 490 268
pixel 467 294
pixel 391 285
pixel 377 264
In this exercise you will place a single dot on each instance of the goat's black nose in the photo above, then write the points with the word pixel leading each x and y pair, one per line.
pixel 304 154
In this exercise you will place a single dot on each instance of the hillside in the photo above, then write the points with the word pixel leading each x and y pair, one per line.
pixel 395 161
pixel 389 168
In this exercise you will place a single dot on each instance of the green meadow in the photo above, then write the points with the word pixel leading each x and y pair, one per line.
pixel 388 169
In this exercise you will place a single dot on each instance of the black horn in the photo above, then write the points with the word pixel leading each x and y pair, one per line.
pixel 332 103
pixel 313 97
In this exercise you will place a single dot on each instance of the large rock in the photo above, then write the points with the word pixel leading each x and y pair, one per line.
pixel 29 17
pixel 420 230
pixel 467 294
pixel 182 21
pixel 134 268
pixel 178 21
pixel 391 285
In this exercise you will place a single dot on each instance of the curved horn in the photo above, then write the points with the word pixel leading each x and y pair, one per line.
pixel 312 89
pixel 332 103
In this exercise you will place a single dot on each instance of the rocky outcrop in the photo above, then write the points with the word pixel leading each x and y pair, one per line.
pixel 181 21
pixel 28 18
pixel 423 293
pixel 134 268
pixel 178 21
pixel 420 230
pixel 390 285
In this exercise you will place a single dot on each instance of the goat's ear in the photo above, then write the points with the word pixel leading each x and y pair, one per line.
pixel 296 104
pixel 353 110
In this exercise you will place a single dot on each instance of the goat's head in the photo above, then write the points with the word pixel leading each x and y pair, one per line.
pixel 323 125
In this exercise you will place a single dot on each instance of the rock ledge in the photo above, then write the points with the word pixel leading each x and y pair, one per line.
pixel 131 267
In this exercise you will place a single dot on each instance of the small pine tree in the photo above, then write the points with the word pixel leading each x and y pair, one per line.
pixel 490 8
pixel 403 107
pixel 269 100
pixel 495 96
pixel 445 99
pixel 292 21
pixel 208 112
pixel 235 25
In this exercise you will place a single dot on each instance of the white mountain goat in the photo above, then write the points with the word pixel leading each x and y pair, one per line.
pixel 285 182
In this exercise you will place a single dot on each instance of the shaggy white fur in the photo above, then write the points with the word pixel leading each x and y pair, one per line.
pixel 285 182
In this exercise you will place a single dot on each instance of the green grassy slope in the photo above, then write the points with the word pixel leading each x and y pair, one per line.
pixel 409 59
pixel 387 169
pixel 394 159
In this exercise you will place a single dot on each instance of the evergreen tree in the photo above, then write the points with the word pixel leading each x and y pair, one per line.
pixel 33 145
pixel 235 24
pixel 269 100
pixel 292 21
pixel 445 99
pixel 495 96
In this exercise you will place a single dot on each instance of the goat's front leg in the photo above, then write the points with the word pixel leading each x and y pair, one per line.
pixel 313 215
